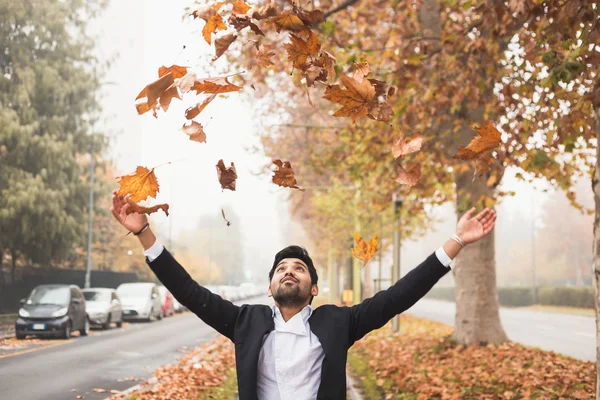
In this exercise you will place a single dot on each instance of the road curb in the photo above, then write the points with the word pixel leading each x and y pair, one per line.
pixel 133 389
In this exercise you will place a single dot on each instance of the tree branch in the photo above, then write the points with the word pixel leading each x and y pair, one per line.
pixel 339 8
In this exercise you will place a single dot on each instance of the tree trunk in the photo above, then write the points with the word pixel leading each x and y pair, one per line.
pixel 596 249
pixel 13 271
pixel 1 268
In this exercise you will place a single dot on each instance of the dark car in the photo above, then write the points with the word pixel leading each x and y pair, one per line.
pixel 53 310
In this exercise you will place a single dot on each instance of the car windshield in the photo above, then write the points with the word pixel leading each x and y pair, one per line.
pixel 134 291
pixel 50 295
pixel 96 295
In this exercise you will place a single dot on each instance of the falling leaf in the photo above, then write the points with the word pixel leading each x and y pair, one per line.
pixel 239 7
pixel 176 70
pixel 488 139
pixel 227 176
pixel 222 44
pixel 266 11
pixel 309 18
pixel 136 208
pixel 165 99
pixel 300 49
pixel 195 131
pixel 214 22
pixel 225 218
pixel 153 91
pixel 404 146
pixel 361 71
pixel 308 96
pixel 284 175
pixel 263 55
pixel 215 85
pixel 241 22
pixel 288 21
pixel 410 177
pixel 363 250
pixel 484 163
pixel 186 82
pixel 140 185
pixel 193 112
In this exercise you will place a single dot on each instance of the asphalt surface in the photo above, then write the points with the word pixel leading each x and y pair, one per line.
pixel 101 360
pixel 571 335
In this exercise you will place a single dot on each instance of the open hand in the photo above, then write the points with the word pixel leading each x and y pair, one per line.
pixel 134 222
pixel 470 229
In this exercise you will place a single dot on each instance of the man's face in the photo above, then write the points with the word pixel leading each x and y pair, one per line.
pixel 291 283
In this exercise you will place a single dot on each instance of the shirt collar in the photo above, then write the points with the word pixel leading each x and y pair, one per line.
pixel 306 312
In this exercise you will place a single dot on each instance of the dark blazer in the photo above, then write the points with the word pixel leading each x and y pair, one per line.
pixel 336 327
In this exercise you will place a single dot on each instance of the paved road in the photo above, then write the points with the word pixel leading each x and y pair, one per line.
pixel 571 335
pixel 100 360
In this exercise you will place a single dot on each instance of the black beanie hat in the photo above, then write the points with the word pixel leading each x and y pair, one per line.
pixel 295 252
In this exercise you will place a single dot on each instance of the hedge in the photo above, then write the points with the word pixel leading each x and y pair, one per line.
pixel 581 297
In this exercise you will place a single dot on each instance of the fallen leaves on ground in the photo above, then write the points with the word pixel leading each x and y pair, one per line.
pixel 423 362
pixel 363 250
pixel 284 175
pixel 140 185
pixel 194 373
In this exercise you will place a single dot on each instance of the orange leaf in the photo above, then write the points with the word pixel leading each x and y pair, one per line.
pixel 356 99
pixel 214 24
pixel 263 54
pixel 193 112
pixel 225 218
pixel 363 250
pixel 222 44
pixel 284 175
pixel 361 71
pixel 195 131
pixel 239 7
pixel 165 99
pixel 300 49
pixel 140 185
pixel 488 139
pixel 227 176
pixel 155 90
pixel 410 177
pixel 288 21
pixel 176 70
pixel 404 146
pixel 134 207
pixel 215 85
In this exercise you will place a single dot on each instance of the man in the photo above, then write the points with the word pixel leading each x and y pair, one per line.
pixel 290 351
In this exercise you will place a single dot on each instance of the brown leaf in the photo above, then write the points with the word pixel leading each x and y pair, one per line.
pixel 193 112
pixel 225 218
pixel 363 250
pixel 222 44
pixel 214 22
pixel 186 82
pixel 153 91
pixel 239 7
pixel 284 175
pixel 287 21
pixel 488 139
pixel 263 54
pixel 361 70
pixel 484 163
pixel 356 99
pixel 137 208
pixel 300 49
pixel 266 11
pixel 410 177
pixel 140 185
pixel 195 131
pixel 309 18
pixel 227 176
pixel 215 85
pixel 404 146
pixel 176 70
pixel 165 99
pixel 241 22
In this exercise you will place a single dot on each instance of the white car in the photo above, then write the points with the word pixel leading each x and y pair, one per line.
pixel 103 307
pixel 140 301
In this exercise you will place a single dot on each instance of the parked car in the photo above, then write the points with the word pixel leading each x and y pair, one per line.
pixel 166 300
pixel 52 310
pixel 140 301
pixel 179 308
pixel 103 306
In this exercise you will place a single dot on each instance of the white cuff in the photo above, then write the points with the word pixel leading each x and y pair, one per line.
pixel 443 257
pixel 154 251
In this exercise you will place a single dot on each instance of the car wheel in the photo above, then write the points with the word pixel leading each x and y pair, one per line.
pixel 150 315
pixel 20 336
pixel 106 325
pixel 160 315
pixel 86 328
pixel 120 323
pixel 67 332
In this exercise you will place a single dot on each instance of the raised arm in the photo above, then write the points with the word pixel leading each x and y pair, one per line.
pixel 376 311
pixel 211 308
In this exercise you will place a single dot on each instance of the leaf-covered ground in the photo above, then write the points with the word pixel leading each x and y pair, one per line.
pixel 423 362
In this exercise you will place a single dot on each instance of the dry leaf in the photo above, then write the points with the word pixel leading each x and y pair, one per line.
pixel 225 218
pixel 153 91
pixel 214 22
pixel 363 250
pixel 193 112
pixel 410 177
pixel 176 70
pixel 284 175
pixel 300 49
pixel 241 22
pixel 165 99
pixel 227 176
pixel 222 44
pixel 186 82
pixel 263 54
pixel 215 85
pixel 136 208
pixel 488 139
pixel 356 99
pixel 239 7
pixel 361 71
pixel 79 396
pixel 404 146
pixel 98 390
pixel 195 131
pixel 309 18
pixel 288 21
pixel 140 185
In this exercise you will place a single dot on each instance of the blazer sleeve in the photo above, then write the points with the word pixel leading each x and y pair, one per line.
pixel 211 308
pixel 376 311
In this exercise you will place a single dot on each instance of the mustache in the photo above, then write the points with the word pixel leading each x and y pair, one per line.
pixel 288 276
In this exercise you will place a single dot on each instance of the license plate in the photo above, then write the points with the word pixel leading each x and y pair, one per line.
pixel 39 327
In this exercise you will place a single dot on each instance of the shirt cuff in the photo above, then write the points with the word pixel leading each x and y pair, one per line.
pixel 443 257
pixel 154 251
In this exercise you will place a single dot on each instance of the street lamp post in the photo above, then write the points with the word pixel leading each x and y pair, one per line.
pixel 398 200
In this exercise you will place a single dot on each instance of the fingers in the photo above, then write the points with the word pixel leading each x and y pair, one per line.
pixel 468 214
pixel 489 224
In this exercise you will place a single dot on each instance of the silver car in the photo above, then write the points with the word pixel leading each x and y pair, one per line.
pixel 140 301
pixel 103 307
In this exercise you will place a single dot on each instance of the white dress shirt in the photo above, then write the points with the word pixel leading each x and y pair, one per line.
pixel 290 359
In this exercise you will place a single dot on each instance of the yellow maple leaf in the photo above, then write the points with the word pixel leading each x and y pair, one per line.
pixel 364 251
pixel 140 185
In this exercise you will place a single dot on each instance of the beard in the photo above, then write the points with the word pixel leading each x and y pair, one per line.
pixel 291 296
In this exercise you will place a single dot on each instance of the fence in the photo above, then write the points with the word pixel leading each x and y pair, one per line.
pixel 28 278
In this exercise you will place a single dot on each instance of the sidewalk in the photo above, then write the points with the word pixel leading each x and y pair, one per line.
pixel 7 325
